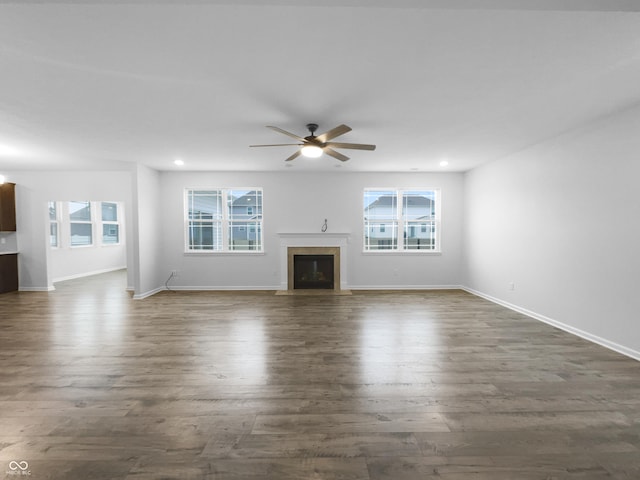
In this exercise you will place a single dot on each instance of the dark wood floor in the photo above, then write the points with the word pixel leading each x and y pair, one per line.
pixel 382 386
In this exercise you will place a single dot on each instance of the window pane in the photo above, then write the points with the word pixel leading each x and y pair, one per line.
pixel 381 236
pixel 245 204
pixel 235 225
pixel 380 204
pixel 205 236
pixel 245 235
pixel 205 205
pixel 109 212
pixel 53 234
pixel 80 211
pixel 419 236
pixel 412 227
pixel 53 211
pixel 81 234
pixel 110 233
pixel 418 205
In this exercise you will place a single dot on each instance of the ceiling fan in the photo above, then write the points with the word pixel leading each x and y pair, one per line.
pixel 314 146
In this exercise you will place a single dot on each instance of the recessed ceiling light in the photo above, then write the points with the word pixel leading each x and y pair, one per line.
pixel 177 161
pixel 444 163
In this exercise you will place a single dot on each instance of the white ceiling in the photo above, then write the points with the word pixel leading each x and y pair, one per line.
pixel 99 85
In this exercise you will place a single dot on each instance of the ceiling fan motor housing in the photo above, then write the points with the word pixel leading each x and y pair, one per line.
pixel 312 128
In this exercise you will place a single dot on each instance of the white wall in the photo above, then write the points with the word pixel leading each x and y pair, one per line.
pixel 147 233
pixel 299 203
pixel 36 267
pixel 560 221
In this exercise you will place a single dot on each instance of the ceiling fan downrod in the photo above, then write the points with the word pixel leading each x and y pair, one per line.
pixel 312 128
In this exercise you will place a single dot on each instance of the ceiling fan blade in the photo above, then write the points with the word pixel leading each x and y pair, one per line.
pixel 333 133
pixel 294 156
pixel 355 146
pixel 334 154
pixel 278 145
pixel 292 135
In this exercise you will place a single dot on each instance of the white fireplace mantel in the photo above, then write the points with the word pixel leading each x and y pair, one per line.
pixel 317 235
pixel 318 239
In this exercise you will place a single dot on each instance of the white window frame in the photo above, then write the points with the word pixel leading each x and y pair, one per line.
pixel 109 222
pixel 399 223
pixel 89 222
pixel 225 222
pixel 54 222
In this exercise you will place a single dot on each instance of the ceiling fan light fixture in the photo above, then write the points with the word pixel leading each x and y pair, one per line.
pixel 313 146
pixel 311 151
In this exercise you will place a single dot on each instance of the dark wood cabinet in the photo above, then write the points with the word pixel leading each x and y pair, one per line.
pixel 8 272
pixel 8 207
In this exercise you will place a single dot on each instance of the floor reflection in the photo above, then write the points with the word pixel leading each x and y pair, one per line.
pixel 90 311
pixel 398 346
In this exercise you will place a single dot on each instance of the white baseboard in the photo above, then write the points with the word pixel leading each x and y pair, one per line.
pixel 208 288
pixel 87 274
pixel 140 296
pixel 36 289
pixel 222 288
pixel 276 288
pixel 562 326
pixel 404 287
pixel 231 288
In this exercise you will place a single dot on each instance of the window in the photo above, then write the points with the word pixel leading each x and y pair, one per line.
pixel 54 236
pixel 401 220
pixel 110 226
pixel 80 223
pixel 221 220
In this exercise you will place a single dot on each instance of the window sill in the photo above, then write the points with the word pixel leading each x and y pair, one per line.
pixel 222 253
pixel 403 252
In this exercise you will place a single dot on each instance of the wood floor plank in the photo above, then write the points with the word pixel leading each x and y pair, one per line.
pixel 349 422
pixel 247 385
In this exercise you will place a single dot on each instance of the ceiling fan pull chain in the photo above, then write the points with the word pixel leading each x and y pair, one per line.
pixel 324 227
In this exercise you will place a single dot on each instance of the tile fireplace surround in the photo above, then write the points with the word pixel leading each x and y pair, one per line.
pixel 313 244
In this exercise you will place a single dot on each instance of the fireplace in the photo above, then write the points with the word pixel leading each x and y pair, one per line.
pixel 313 271
pixel 313 268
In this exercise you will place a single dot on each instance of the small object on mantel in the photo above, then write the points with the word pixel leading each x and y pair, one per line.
pixel 324 227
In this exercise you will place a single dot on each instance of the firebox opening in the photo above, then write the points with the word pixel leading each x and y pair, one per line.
pixel 313 271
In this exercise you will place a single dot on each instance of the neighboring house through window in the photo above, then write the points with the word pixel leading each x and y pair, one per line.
pixel 401 220
pixel 110 225
pixel 84 224
pixel 223 219
pixel 81 228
